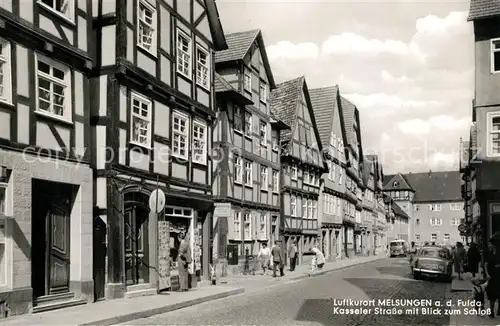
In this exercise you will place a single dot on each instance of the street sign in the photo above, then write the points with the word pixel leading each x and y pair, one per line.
pixel 157 201
pixel 462 227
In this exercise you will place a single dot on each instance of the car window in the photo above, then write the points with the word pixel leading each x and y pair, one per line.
pixel 435 253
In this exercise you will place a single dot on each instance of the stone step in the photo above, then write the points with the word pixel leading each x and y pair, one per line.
pixel 140 293
pixel 58 305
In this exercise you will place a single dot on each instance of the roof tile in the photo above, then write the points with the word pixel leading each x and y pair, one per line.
pixel 348 110
pixel 323 101
pixel 480 9
pixel 238 45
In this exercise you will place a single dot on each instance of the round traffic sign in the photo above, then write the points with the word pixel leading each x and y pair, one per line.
pixel 462 227
pixel 157 201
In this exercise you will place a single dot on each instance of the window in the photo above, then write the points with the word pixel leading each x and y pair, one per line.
pixel 263 92
pixel 199 142
pixel 5 72
pixel 294 172
pixel 395 184
pixel 315 210
pixel 456 206
pixel 309 209
pixel 54 88
pixel 263 177
pixel 274 140
pixel 418 221
pixel 141 120
pixel 183 54
pixel 446 237
pixel 263 225
pixel 238 169
pixel 334 166
pixel 434 236
pixel 181 135
pixel 455 221
pixel 61 7
pixel 304 208
pixel 276 181
pixel 338 207
pixel 248 123
pixel 263 133
pixel 495 55
pixel 248 173
pixel 435 207
pixel 341 175
pixel 247 226
pixel 247 80
pixel 493 119
pixel 436 221
pixel 3 198
pixel 202 67
pixel 237 119
pixel 237 225
pixel 306 176
pixel 293 206
pixel 146 20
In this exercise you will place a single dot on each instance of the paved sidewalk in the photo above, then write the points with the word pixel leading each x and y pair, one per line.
pixel 468 320
pixel 258 281
pixel 123 310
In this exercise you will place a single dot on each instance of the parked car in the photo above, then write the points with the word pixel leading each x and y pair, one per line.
pixel 398 248
pixel 433 261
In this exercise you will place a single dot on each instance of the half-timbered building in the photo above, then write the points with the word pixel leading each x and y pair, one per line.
pixel 380 208
pixel 369 213
pixel 45 178
pixel 327 108
pixel 246 182
pixel 353 180
pixel 302 165
pixel 151 121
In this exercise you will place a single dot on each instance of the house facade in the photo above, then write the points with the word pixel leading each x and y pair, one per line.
pixel 485 152
pixel 369 213
pixel 246 184
pixel 301 166
pixel 398 188
pixel 45 178
pixel 327 108
pixel 152 117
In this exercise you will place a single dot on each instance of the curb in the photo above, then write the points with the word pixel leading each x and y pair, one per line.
pixel 161 310
pixel 320 273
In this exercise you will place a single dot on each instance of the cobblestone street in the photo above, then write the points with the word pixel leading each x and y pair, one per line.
pixel 309 301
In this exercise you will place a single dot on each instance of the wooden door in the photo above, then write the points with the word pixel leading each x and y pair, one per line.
pixel 57 251
pixel 136 245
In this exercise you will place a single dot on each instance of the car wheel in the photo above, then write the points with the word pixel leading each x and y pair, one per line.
pixel 391 256
pixel 416 276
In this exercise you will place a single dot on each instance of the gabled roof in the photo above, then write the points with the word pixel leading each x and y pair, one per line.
pixel 215 24
pixel 348 112
pixel 436 186
pixel 398 210
pixel 369 162
pixel 239 45
pixel 323 101
pixel 284 103
pixel 480 9
pixel 397 182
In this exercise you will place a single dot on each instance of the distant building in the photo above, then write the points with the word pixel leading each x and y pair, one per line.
pixel 433 203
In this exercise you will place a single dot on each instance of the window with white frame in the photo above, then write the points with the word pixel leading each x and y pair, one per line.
pixel 293 206
pixel 294 171
pixel 434 236
pixel 237 119
pixel 495 55
pixel 146 20
pixel 263 92
pixel 263 177
pixel 5 72
pixel 263 133
pixel 247 226
pixel 326 203
pixel 446 237
pixel 238 169
pixel 61 7
pixel 248 173
pixel 248 123
pixel 456 206
pixel 334 167
pixel 141 120
pixel 315 210
pixel 180 135
pixel 341 175
pixel 312 178
pixel 263 225
pixel 339 212
pixel 435 207
pixel 274 140
pixel 304 208
pixel 309 208
pixel 199 142
pixel 494 133
pixel 54 88
pixel 183 54
pixel 237 225
pixel 247 80
pixel 455 221
pixel 202 67
pixel 276 181
pixel 305 176
pixel 436 221
pixel 3 198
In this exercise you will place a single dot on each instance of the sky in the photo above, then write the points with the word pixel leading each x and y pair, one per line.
pixel 408 66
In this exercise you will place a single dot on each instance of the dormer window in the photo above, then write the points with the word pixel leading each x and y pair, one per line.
pixel 395 184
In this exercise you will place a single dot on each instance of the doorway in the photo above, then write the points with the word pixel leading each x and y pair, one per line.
pixel 136 229
pixel 50 250
pixel 99 258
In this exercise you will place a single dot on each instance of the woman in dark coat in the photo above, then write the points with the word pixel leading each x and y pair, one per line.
pixel 473 259
pixel 183 261
pixel 492 268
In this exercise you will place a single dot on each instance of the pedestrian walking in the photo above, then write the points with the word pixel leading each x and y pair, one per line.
pixel 183 261
pixel 473 259
pixel 318 260
pixel 492 269
pixel 293 254
pixel 277 259
pixel 459 259
pixel 264 256
pixel 413 251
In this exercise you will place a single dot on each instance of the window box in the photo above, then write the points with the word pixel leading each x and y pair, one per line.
pixel 147 21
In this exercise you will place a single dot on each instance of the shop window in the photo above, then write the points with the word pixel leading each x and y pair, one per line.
pixel 180 221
